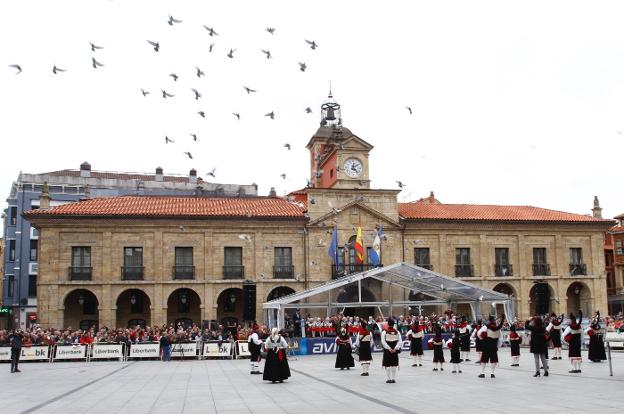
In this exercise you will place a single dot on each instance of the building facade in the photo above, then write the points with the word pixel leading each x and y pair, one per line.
pixel 615 249
pixel 21 240
pixel 130 260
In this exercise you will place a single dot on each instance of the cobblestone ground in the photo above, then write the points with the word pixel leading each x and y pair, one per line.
pixel 223 386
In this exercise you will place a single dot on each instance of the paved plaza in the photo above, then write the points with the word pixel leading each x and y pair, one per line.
pixel 224 386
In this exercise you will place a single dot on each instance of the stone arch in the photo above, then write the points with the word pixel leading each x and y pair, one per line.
pixel 133 307
pixel 230 306
pixel 278 292
pixel 542 299
pixel 184 307
pixel 81 309
pixel 578 296
pixel 507 289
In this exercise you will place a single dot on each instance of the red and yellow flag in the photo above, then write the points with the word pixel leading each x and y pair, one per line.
pixel 359 247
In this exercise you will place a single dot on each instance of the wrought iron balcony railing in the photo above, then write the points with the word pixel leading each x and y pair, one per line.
pixel 233 272
pixel 80 272
pixel 464 270
pixel 132 272
pixel 184 272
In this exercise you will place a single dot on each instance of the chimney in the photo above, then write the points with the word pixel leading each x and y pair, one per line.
pixel 159 174
pixel 44 198
pixel 193 176
pixel 87 193
pixel 272 193
pixel 85 170
pixel 597 210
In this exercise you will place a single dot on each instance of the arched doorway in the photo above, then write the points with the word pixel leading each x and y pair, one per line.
pixel 349 294
pixel 541 298
pixel 578 297
pixel 279 292
pixel 506 289
pixel 81 310
pixel 184 308
pixel 133 308
pixel 230 307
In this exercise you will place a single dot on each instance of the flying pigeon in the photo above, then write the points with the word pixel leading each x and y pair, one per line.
pixel 270 30
pixel 200 72
pixel 166 95
pixel 231 53
pixel 194 137
pixel 312 44
pixel 168 140
pixel 308 110
pixel 189 154
pixel 400 184
pixel 202 114
pixel 197 94
pixel 155 44
pixel 287 145
pixel 210 48
pixel 270 115
pixel 174 76
pixel 95 63
pixel 212 173
pixel 56 70
pixel 236 115
pixel 94 47
pixel 245 237
pixel 211 31
pixel 302 66
pixel 267 53
pixel 144 92
pixel 409 109
pixel 172 21
pixel 283 176
pixel 18 67
pixel 249 90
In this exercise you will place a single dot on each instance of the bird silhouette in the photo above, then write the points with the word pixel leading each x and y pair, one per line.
pixel 270 30
pixel 321 242
pixel 17 67
pixel 168 140
pixel 308 110
pixel 155 44
pixel 197 94
pixel 95 47
pixel 202 114
pixel 270 115
pixel 231 53
pixel 210 47
pixel 302 66
pixel 283 176
pixel 166 95
pixel 287 145
pixel 400 184
pixel 309 184
pixel 199 72
pixel 245 237
pixel 236 115
pixel 409 109
pixel 194 137
pixel 312 200
pixel 211 31
pixel 333 209
pixel 312 44
pixel 267 53
pixel 95 63
pixel 189 154
pixel 171 21
pixel 144 92
pixel 212 173
pixel 174 76
pixel 249 90
pixel 56 70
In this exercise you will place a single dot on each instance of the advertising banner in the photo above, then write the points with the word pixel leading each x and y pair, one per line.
pixel 184 350
pixel 71 352
pixel 35 353
pixel 318 346
pixel 151 350
pixel 104 351
pixel 243 349
pixel 5 353
pixel 214 349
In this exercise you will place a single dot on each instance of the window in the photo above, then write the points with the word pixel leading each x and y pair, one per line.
pixel 576 256
pixel 12 216
pixel 463 268
pixel 618 247
pixel 32 286
pixel 502 266
pixel 133 263
pixel 233 262
pixel 422 258
pixel 283 263
pixel 81 256
pixel 183 268
pixel 11 286
pixel 540 262
pixel 11 250
pixel 33 250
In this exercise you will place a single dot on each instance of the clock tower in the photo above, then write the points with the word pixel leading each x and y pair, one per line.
pixel 338 158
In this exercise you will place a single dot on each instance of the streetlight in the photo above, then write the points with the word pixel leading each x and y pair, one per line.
pixel 232 298
pixel 133 299
pixel 81 299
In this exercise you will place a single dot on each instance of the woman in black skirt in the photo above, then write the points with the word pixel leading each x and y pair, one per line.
pixel 573 336
pixel 554 328
pixel 596 343
pixel 344 359
pixel 276 366
pixel 514 343
pixel 363 343
pixel 438 353
pixel 415 336
pixel 538 344
pixel 455 345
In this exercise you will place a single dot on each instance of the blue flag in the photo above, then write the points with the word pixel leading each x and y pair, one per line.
pixel 333 247
pixel 375 253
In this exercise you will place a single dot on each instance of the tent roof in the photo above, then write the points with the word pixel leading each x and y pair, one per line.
pixel 444 289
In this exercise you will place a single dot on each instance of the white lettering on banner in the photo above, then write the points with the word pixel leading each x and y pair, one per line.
pixel 243 348
pixel 107 351
pixel 5 353
pixel 34 353
pixel 324 348
pixel 144 350
pixel 214 350
pixel 184 349
pixel 71 352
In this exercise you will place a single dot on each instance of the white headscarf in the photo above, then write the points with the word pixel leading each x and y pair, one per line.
pixel 274 333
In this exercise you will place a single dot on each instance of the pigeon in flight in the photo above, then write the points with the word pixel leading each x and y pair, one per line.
pixel 95 63
pixel 231 53
pixel 302 66
pixel 194 137
pixel 17 67
pixel 166 95
pixel 267 53
pixel 188 154
pixel 249 90
pixel 283 176
pixel 56 70
pixel 287 145
pixel 334 209
pixel 270 30
pixel 202 114
pixel 197 94
pixel 211 31
pixel 200 72
pixel 308 110
pixel 174 76
pixel 409 109
pixel 210 48
pixel 144 92
pixel 155 44
pixel 400 184
pixel 94 47
pixel 245 237
pixel 236 115
pixel 312 44
pixel 212 173
pixel 270 115
pixel 172 21
pixel 168 140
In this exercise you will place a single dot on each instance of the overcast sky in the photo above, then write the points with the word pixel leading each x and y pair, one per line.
pixel 515 103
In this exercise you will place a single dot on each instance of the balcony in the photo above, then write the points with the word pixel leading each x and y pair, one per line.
pixel 427 266
pixel 233 272
pixel 183 272
pixel 283 272
pixel 346 269
pixel 464 270
pixel 80 272
pixel 503 270
pixel 541 269
pixel 578 269
pixel 132 272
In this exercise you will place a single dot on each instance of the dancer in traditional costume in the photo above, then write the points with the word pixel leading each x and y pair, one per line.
pixel 438 353
pixel 454 344
pixel 573 336
pixel 478 341
pixel 391 342
pixel 464 339
pixel 490 334
pixel 596 343
pixel 415 336
pixel 344 359
pixel 538 344
pixel 255 348
pixel 514 343
pixel 554 330
pixel 276 366
pixel 363 342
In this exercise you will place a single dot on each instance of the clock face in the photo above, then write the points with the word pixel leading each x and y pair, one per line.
pixel 353 167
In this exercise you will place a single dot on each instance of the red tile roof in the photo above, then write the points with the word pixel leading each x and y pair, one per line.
pixel 616 229
pixel 159 206
pixel 122 176
pixel 427 211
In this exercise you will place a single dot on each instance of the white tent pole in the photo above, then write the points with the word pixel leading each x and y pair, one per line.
pixel 359 290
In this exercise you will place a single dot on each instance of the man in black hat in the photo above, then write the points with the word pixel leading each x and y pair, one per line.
pixel 16 341
pixel 491 335
pixel 391 342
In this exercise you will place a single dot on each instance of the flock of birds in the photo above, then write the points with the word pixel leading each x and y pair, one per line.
pixel 199 73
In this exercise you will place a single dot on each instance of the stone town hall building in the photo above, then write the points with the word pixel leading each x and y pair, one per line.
pixel 126 260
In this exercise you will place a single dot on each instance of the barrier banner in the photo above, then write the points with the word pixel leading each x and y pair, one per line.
pixel 185 350
pixel 103 351
pixel 243 349
pixel 317 346
pixel 151 350
pixel 212 349
pixel 70 352
pixel 5 353
pixel 34 353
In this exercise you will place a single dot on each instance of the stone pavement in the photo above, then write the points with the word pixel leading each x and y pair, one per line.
pixel 223 386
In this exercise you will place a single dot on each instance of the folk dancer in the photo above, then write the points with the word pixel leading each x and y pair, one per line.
pixel 478 341
pixel 438 353
pixel 255 348
pixel 514 343
pixel 554 330
pixel 276 366
pixel 596 344
pixel 464 339
pixel 415 336
pixel 391 343
pixel 539 343
pixel 454 344
pixel 490 335
pixel 344 359
pixel 573 336
pixel 363 343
